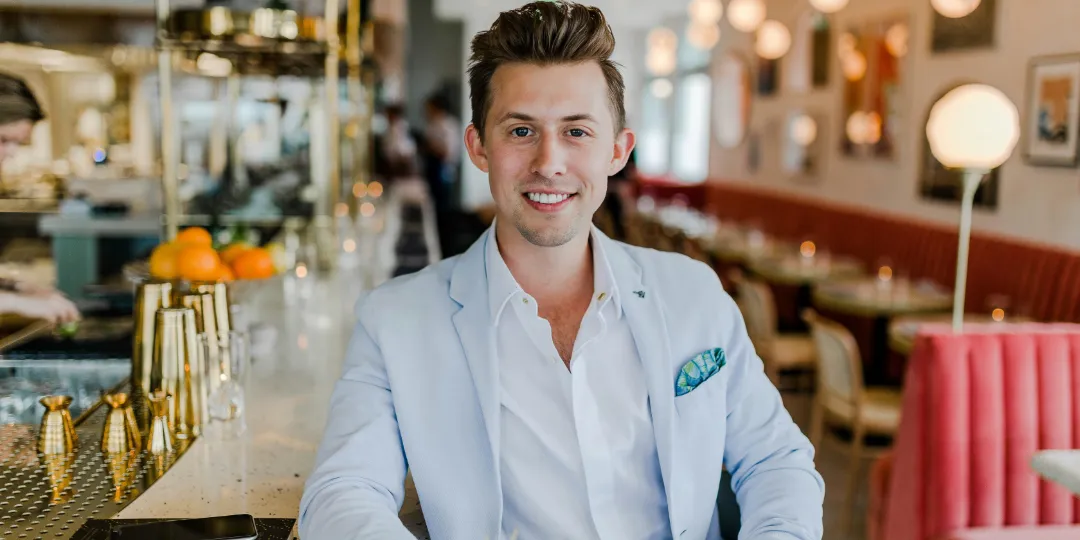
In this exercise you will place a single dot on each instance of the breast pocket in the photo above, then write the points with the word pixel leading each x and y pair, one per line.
pixel 706 398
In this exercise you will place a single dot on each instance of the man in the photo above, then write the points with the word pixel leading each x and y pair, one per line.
pixel 19 111
pixel 551 382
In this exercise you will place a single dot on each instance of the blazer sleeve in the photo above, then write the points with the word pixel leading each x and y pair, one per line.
pixel 771 462
pixel 358 484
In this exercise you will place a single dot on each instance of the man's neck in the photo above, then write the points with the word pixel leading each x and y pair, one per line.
pixel 547 273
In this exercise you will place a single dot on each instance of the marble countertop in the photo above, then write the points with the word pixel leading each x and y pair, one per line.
pixel 1059 466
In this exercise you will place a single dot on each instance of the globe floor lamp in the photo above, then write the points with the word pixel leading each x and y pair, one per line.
pixel 973 128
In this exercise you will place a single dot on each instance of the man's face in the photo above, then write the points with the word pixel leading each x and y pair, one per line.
pixel 549 147
pixel 13 135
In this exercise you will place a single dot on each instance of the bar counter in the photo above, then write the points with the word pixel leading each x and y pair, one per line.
pixel 299 331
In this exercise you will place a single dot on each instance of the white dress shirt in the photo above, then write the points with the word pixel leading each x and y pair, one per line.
pixel 578 455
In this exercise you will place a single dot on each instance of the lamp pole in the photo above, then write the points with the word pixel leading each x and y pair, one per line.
pixel 972 179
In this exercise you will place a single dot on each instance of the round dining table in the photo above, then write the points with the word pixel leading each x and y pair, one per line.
pixel 791 276
pixel 736 245
pixel 795 269
pixel 879 302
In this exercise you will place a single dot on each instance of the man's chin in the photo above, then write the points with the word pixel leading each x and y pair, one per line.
pixel 548 234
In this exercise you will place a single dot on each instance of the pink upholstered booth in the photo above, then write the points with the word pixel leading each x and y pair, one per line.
pixel 976 407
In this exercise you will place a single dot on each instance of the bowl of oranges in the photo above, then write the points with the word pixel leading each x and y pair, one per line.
pixel 192 257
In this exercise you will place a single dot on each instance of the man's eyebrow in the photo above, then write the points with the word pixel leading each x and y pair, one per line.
pixel 526 118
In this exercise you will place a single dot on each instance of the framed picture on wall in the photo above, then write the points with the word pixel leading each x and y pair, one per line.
pixel 972 31
pixel 1052 129
pixel 872 61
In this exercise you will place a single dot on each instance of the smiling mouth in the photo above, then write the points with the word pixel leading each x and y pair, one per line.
pixel 548 198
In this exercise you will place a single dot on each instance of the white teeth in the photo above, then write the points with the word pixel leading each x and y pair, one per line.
pixel 547 198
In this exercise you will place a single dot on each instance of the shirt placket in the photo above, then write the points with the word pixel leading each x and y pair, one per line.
pixel 596 454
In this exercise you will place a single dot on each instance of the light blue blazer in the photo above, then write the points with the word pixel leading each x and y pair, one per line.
pixel 419 391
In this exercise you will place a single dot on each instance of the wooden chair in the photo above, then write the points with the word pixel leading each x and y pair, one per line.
pixel 779 352
pixel 842 399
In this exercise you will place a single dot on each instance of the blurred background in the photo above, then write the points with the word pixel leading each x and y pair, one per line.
pixel 819 154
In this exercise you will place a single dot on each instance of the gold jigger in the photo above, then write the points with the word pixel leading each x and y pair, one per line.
pixel 220 292
pixel 58 468
pixel 160 440
pixel 122 469
pixel 149 298
pixel 121 434
pixel 57 435
pixel 179 356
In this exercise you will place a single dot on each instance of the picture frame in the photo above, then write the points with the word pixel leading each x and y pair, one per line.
pixel 1052 120
pixel 976 30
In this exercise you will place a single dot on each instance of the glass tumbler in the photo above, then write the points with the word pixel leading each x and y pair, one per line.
pixel 227 373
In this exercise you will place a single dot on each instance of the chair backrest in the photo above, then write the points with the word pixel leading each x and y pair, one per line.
pixel 759 310
pixel 976 407
pixel 839 366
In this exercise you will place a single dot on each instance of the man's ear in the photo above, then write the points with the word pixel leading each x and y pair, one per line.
pixel 624 144
pixel 477 154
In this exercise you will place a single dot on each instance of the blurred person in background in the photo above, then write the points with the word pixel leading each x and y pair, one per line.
pixel 19 111
pixel 442 150
pixel 397 154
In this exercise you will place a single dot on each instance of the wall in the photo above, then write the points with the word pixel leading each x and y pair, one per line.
pixel 1037 203
pixel 433 56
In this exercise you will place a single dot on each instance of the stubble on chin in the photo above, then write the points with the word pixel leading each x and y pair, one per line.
pixel 547 236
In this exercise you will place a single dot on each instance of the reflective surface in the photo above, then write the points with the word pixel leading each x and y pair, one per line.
pixel 50 496
pixel 24 382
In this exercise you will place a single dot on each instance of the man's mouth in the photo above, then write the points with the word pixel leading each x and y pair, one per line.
pixel 548 198
pixel 548 201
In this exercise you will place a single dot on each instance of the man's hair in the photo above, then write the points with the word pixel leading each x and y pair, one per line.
pixel 544 34
pixel 17 102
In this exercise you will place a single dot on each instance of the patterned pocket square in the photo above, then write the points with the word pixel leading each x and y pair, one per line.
pixel 698 370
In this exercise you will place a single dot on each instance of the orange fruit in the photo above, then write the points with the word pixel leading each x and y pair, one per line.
pixel 163 261
pixel 225 273
pixel 195 235
pixel 232 251
pixel 255 263
pixel 197 263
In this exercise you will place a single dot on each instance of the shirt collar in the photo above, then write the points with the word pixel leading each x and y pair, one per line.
pixel 502 286
pixel 501 283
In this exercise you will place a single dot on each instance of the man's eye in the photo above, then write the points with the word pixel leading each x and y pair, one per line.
pixel 577 133
pixel 520 132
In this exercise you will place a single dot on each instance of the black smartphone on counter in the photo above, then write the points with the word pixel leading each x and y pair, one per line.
pixel 237 527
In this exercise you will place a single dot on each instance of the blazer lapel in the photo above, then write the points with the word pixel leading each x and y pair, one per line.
pixel 643 313
pixel 468 287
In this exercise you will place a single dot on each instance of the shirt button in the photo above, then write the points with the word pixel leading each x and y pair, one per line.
pixel 602 296
pixel 524 300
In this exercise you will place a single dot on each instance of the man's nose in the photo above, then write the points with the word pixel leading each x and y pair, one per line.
pixel 550 159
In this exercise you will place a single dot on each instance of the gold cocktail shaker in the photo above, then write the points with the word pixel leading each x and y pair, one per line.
pixel 206 325
pixel 222 320
pixel 179 359
pixel 150 297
